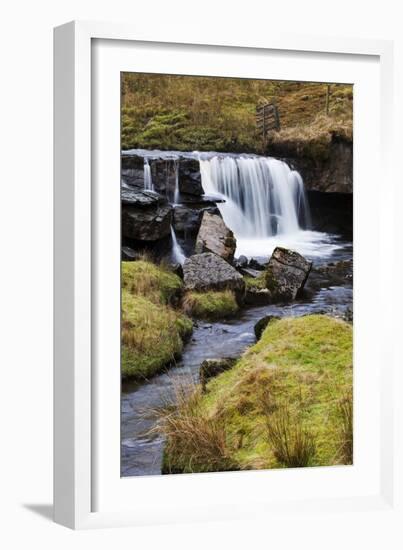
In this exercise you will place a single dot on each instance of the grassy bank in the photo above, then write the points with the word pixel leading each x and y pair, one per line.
pixel 152 329
pixel 205 113
pixel 286 403
pixel 210 305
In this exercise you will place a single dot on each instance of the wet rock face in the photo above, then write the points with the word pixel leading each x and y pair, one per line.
pixel 190 177
pixel 139 198
pixel 215 236
pixel 132 172
pixel 213 367
pixel 331 173
pixel 210 272
pixel 187 219
pixel 286 274
pixel 145 216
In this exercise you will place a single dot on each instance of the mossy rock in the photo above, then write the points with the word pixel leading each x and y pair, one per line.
pixel 210 305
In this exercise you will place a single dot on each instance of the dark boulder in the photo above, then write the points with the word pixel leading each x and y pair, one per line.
pixel 242 261
pixel 186 220
pixel 262 324
pixel 255 264
pixel 286 274
pixel 213 367
pixel 215 236
pixel 208 271
pixel 145 216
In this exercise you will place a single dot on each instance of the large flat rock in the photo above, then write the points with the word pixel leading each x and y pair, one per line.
pixel 208 271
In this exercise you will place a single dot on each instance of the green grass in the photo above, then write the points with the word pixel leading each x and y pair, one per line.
pixel 257 283
pixel 282 403
pixel 156 282
pixel 207 113
pixel 152 330
pixel 210 305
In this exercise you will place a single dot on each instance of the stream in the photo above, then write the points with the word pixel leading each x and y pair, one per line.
pixel 141 451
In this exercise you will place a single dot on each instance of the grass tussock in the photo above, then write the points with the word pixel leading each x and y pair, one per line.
pixel 218 114
pixel 280 403
pixel 257 283
pixel 346 428
pixel 156 282
pixel 152 331
pixel 210 305
pixel 292 444
pixel 196 441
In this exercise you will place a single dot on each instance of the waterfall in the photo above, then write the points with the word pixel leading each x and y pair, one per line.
pixel 178 255
pixel 264 200
pixel 176 191
pixel 263 196
pixel 148 182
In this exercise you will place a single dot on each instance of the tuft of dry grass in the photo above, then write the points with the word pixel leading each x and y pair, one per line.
pixel 313 140
pixel 292 444
pixel 195 440
pixel 345 407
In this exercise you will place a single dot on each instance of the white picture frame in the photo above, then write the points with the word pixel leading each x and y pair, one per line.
pixel 87 493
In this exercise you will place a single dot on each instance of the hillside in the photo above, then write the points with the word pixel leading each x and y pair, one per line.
pixel 206 113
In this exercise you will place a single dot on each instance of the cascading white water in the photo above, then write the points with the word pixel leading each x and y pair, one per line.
pixel 178 255
pixel 176 191
pixel 265 203
pixel 148 182
pixel 264 197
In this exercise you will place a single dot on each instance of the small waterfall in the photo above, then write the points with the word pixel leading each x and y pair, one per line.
pixel 176 191
pixel 148 182
pixel 178 255
pixel 264 197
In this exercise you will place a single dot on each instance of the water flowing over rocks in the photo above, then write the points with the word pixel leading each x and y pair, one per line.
pixel 286 274
pixel 208 271
pixel 215 236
